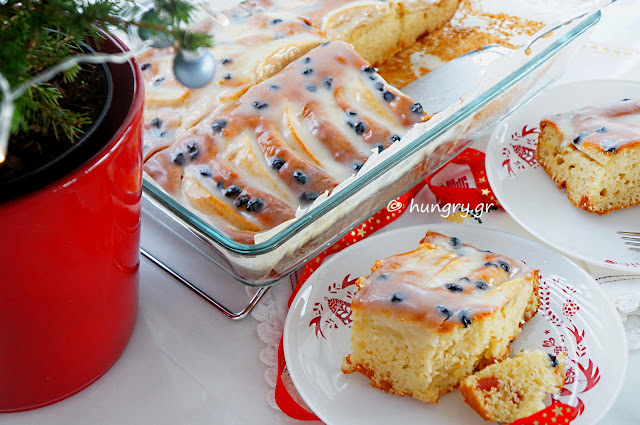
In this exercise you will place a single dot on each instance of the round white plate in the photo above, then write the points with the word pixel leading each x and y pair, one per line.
pixel 575 317
pixel 529 195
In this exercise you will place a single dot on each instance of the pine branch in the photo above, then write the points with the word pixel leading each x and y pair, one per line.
pixel 28 46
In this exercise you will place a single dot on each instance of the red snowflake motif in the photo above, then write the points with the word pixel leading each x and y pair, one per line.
pixel 521 153
pixel 341 309
pixel 338 311
pixel 570 376
pixel 569 308
pixel 582 374
pixel 526 153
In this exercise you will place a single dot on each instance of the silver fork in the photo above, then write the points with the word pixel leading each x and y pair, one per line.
pixel 632 239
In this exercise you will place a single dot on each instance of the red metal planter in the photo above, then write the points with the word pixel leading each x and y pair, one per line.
pixel 69 263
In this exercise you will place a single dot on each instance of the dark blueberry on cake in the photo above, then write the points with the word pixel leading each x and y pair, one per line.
pixel 465 280
pixel 395 138
pixel 260 104
pixel 453 287
pixel 307 59
pixel 602 130
pixel 179 158
pixel 397 297
pixel 159 81
pixel 311 87
pixel 226 61
pixel 145 66
pixel 379 146
pixel 357 165
pixel 455 242
pixel 163 133
pixel 481 285
pixel 205 172
pixel 300 176
pixel 626 99
pixel 504 266
pixel 156 122
pixel 372 77
pixel 220 185
pixel 610 147
pixel 379 85
pixel 255 205
pixel 274 87
pixel 444 311
pixel 388 96
pixel 383 276
pixel 327 82
pixel 232 191
pixel 241 201
pixel 351 124
pixel 191 145
pixel 352 113
pixel 277 163
pixel 360 128
pixel 307 72
pixel 218 126
pixel 275 21
pixel 553 360
pixel 580 137
pixel 491 265
pixel 465 318
pixel 227 76
pixel 308 197
pixel 368 69
pixel 417 108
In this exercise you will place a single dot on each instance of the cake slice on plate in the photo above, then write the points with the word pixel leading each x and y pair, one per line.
pixel 425 320
pixel 514 388
pixel 595 154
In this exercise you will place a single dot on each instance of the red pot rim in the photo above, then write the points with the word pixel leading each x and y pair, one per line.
pixel 117 138
pixel 114 141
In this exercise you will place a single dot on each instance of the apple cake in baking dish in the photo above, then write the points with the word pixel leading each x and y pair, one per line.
pixel 594 153
pixel 292 110
pixel 285 141
pixel 425 320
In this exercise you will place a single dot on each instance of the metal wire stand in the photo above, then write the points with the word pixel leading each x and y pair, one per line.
pixel 230 314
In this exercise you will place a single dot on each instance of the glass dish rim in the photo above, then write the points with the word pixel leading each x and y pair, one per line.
pixel 277 240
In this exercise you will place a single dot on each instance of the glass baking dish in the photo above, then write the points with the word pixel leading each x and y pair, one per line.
pixel 508 84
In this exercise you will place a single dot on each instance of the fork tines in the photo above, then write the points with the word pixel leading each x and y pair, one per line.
pixel 632 239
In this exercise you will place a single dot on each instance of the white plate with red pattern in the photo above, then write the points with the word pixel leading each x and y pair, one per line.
pixel 576 317
pixel 529 195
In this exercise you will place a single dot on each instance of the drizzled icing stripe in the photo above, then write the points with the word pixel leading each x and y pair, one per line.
pixel 608 128
pixel 443 283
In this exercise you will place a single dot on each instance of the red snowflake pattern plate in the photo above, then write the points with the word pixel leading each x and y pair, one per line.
pixel 576 318
pixel 529 195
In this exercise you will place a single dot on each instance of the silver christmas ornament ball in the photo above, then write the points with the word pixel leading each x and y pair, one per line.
pixel 194 69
